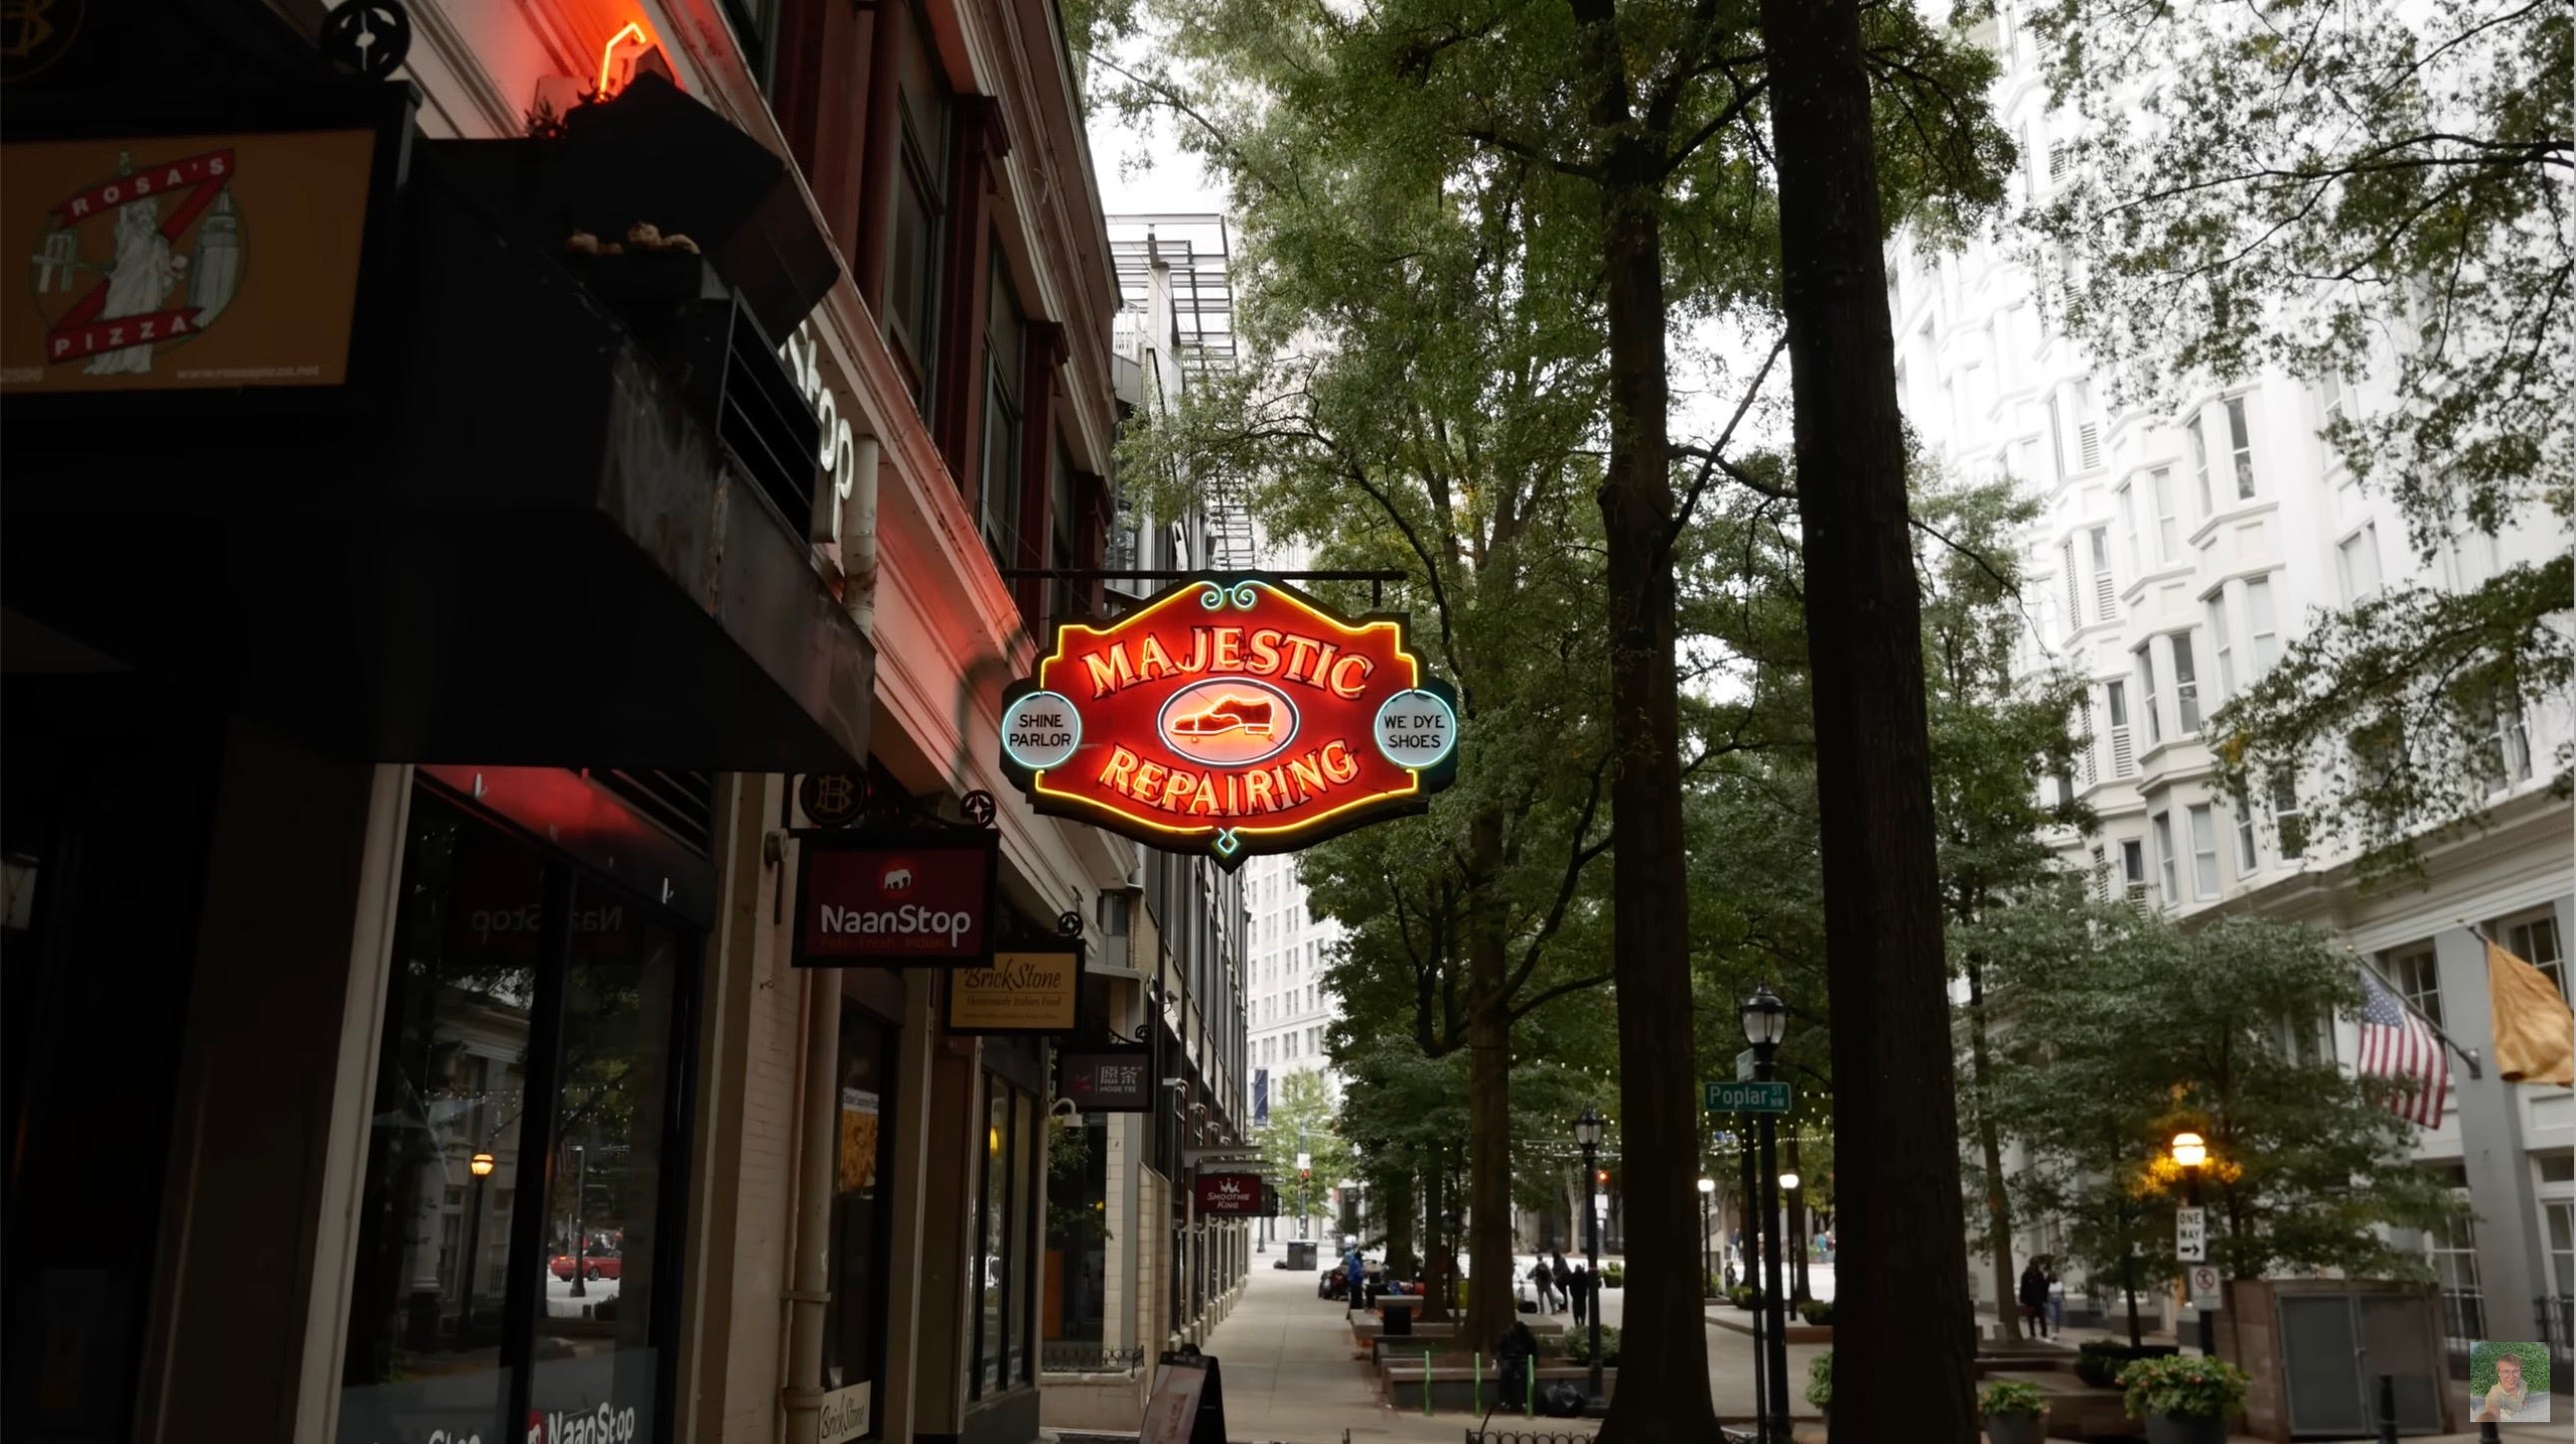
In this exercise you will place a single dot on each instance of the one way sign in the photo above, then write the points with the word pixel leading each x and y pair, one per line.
pixel 2191 1234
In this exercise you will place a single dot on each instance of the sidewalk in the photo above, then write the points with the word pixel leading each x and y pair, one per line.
pixel 1290 1379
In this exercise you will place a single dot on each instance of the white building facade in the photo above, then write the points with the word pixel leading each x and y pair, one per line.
pixel 2176 556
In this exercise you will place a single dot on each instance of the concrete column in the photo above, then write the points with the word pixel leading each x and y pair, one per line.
pixel 2508 1232
pixel 1126 1143
pixel 909 1190
pixel 269 1140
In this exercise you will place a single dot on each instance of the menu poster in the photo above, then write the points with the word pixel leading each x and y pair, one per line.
pixel 858 1171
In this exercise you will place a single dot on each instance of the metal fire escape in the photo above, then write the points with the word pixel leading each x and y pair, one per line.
pixel 1197 250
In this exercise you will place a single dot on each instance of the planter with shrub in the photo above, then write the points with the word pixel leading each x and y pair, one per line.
pixel 2184 1401
pixel 1745 1296
pixel 1614 1276
pixel 1820 1385
pixel 2098 1361
pixel 1817 1312
pixel 2015 1412
pixel 1578 1347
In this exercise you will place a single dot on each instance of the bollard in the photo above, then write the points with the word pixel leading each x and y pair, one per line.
pixel 1476 1382
pixel 1529 1404
pixel 2388 1409
pixel 1426 1383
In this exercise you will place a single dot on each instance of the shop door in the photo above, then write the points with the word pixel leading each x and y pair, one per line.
pixel 520 1242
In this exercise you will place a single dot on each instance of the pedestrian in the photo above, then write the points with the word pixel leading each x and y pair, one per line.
pixel 1355 1291
pixel 1545 1280
pixel 1580 1290
pixel 2034 1299
pixel 2056 1303
pixel 1564 1281
pixel 1514 1355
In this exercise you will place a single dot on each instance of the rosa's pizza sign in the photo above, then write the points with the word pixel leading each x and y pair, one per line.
pixel 1238 716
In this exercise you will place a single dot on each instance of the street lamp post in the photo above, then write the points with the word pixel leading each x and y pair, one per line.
pixel 2190 1153
pixel 1587 1136
pixel 1707 1271
pixel 1766 1020
pixel 480 1165
pixel 1753 1227
pixel 1793 1223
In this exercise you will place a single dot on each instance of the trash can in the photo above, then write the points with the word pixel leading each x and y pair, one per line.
pixel 1399 1322
pixel 1301 1255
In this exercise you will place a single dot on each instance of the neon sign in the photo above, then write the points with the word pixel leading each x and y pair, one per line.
pixel 1238 715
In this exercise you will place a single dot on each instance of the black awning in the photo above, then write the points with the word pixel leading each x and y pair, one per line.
pixel 532 548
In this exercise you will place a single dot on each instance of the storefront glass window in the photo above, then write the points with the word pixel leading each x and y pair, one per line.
pixel 512 972
pixel 992 1257
pixel 595 1339
pixel 430 1288
pixel 1023 1202
pixel 1077 1262
pixel 854 1323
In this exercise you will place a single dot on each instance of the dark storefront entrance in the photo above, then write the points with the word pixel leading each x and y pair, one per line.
pixel 519 1246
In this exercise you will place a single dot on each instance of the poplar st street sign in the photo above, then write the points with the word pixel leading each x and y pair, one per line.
pixel 1233 715
pixel 1745 1097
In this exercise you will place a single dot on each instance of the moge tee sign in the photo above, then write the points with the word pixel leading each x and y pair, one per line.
pixel 1237 716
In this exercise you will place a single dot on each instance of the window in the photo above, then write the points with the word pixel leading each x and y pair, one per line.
pixel 2204 851
pixel 2535 941
pixel 2146 656
pixel 2101 875
pixel 2059 160
pixel 2088 444
pixel 2105 597
pixel 917 218
pixel 2056 439
pixel 2123 755
pixel 2240 447
pixel 2133 868
pixel 863 1159
pixel 2214 612
pixel 2168 521
pixel 1002 1229
pixel 2129 526
pixel 2561 1213
pixel 2074 591
pixel 2413 976
pixel 2286 821
pixel 474 1008
pixel 2330 396
pixel 2452 1250
pixel 2261 629
pixel 2248 859
pixel 2200 464
pixel 2165 858
pixel 2084 739
pixel 2186 683
pixel 2507 737
pixel 1005 360
pixel 755 25
pixel 2357 562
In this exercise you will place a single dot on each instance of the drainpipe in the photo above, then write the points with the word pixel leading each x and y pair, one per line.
pixel 810 1286
pixel 859 539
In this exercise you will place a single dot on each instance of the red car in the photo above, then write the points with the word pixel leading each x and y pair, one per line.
pixel 600 1262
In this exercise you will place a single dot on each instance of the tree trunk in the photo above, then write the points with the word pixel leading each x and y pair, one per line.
pixel 1489 1309
pixel 1902 1316
pixel 1439 1248
pixel 1795 1225
pixel 1663 1368
pixel 1990 1144
pixel 1398 1192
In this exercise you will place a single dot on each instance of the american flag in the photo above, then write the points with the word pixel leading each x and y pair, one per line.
pixel 2397 1045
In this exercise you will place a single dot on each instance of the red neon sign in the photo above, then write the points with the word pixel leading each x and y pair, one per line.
pixel 1239 716
pixel 619 57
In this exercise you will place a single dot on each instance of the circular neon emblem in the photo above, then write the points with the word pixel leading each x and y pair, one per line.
pixel 1228 721
pixel 1041 729
pixel 1416 729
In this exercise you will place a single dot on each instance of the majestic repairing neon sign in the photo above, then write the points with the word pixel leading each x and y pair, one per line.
pixel 1238 715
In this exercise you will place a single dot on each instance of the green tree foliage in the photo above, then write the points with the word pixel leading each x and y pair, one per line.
pixel 2120 1029
pixel 2366 193
pixel 1301 1121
